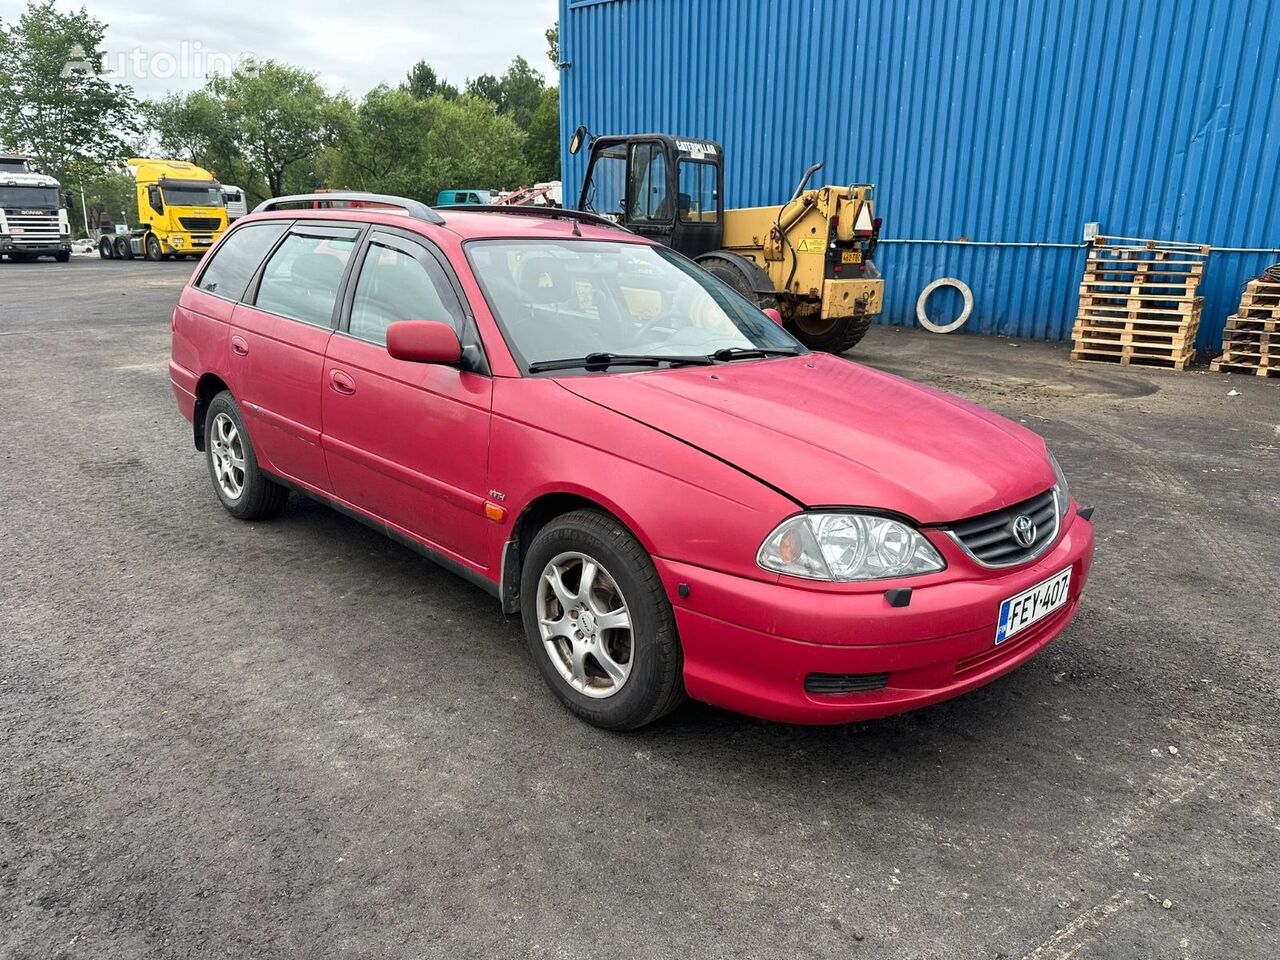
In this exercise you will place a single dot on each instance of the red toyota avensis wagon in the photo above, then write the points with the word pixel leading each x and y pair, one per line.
pixel 676 497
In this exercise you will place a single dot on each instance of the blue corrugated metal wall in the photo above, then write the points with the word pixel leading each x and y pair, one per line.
pixel 1000 122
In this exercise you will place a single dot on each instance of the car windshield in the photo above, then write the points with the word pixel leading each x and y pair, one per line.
pixel 563 299
pixel 193 196
pixel 34 198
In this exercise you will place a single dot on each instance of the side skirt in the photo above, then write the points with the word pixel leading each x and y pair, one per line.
pixel 435 556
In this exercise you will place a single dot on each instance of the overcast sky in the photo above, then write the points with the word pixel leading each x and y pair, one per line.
pixel 351 45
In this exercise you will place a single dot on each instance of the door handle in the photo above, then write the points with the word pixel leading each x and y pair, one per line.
pixel 239 346
pixel 341 382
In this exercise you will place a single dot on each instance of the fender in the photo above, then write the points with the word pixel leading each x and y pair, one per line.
pixel 757 280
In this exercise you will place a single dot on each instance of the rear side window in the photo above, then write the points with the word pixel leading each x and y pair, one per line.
pixel 399 281
pixel 231 268
pixel 302 277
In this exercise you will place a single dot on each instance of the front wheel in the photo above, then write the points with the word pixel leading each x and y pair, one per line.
pixel 154 252
pixel 245 491
pixel 598 623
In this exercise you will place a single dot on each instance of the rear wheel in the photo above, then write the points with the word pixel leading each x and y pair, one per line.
pixel 122 249
pixel 598 622
pixel 106 249
pixel 245 491
pixel 830 336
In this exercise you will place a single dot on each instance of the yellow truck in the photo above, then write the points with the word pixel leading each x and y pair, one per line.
pixel 181 212
pixel 810 258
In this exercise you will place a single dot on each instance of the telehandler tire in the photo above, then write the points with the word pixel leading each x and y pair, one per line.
pixel 843 334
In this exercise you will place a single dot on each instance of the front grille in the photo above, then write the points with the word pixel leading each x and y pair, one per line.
pixel 990 539
pixel 835 683
pixel 41 228
pixel 200 223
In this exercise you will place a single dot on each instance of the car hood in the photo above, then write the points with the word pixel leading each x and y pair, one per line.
pixel 829 432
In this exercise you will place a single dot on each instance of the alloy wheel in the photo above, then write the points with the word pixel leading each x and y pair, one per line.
pixel 585 625
pixel 227 450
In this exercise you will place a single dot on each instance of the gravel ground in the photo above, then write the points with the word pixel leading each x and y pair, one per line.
pixel 298 739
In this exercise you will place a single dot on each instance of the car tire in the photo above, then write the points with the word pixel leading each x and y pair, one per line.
pixel 244 490
pixel 155 252
pixel 106 249
pixel 644 677
pixel 122 249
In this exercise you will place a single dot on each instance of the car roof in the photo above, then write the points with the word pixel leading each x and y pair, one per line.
pixel 468 223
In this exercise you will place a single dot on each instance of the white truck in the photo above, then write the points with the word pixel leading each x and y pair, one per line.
pixel 33 213
pixel 234 198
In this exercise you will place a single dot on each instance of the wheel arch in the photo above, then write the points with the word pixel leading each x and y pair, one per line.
pixel 208 387
pixel 539 512
pixel 757 280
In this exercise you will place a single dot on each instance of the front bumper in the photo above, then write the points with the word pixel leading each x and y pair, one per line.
pixel 10 245
pixel 749 644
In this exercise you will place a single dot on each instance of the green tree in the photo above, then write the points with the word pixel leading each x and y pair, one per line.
pixel 278 119
pixel 423 82
pixel 486 87
pixel 194 126
pixel 54 103
pixel 394 143
pixel 521 90
pixel 542 145
pixel 553 43
pixel 106 191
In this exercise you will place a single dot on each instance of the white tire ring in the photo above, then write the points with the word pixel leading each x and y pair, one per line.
pixel 959 321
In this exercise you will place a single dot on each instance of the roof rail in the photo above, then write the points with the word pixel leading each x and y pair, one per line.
pixel 550 213
pixel 414 208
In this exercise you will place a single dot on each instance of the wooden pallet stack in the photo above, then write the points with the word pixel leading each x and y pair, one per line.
pixel 1138 302
pixel 1251 341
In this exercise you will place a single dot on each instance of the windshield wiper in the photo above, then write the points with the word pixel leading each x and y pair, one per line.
pixel 601 361
pixel 749 353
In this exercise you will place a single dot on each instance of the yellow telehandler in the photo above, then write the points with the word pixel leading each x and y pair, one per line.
pixel 810 257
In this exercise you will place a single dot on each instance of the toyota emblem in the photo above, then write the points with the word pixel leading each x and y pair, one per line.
pixel 1024 530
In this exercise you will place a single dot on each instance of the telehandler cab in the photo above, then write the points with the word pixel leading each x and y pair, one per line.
pixel 810 257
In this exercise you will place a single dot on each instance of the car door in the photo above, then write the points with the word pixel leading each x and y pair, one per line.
pixel 279 337
pixel 407 442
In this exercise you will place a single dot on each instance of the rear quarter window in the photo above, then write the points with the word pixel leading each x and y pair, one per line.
pixel 236 260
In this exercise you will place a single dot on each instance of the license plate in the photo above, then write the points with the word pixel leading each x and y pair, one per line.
pixel 851 256
pixel 1031 606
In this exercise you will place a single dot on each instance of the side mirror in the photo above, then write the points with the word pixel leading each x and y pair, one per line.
pixel 578 139
pixel 423 341
pixel 773 315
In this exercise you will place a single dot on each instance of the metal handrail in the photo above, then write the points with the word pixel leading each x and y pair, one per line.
pixel 414 208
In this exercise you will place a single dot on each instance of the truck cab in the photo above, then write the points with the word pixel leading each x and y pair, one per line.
pixel 33 213
pixel 181 212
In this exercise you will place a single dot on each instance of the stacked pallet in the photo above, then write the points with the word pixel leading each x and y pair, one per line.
pixel 1251 341
pixel 1138 302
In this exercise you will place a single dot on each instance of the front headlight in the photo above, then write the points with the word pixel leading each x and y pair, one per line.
pixel 1060 488
pixel 847 546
